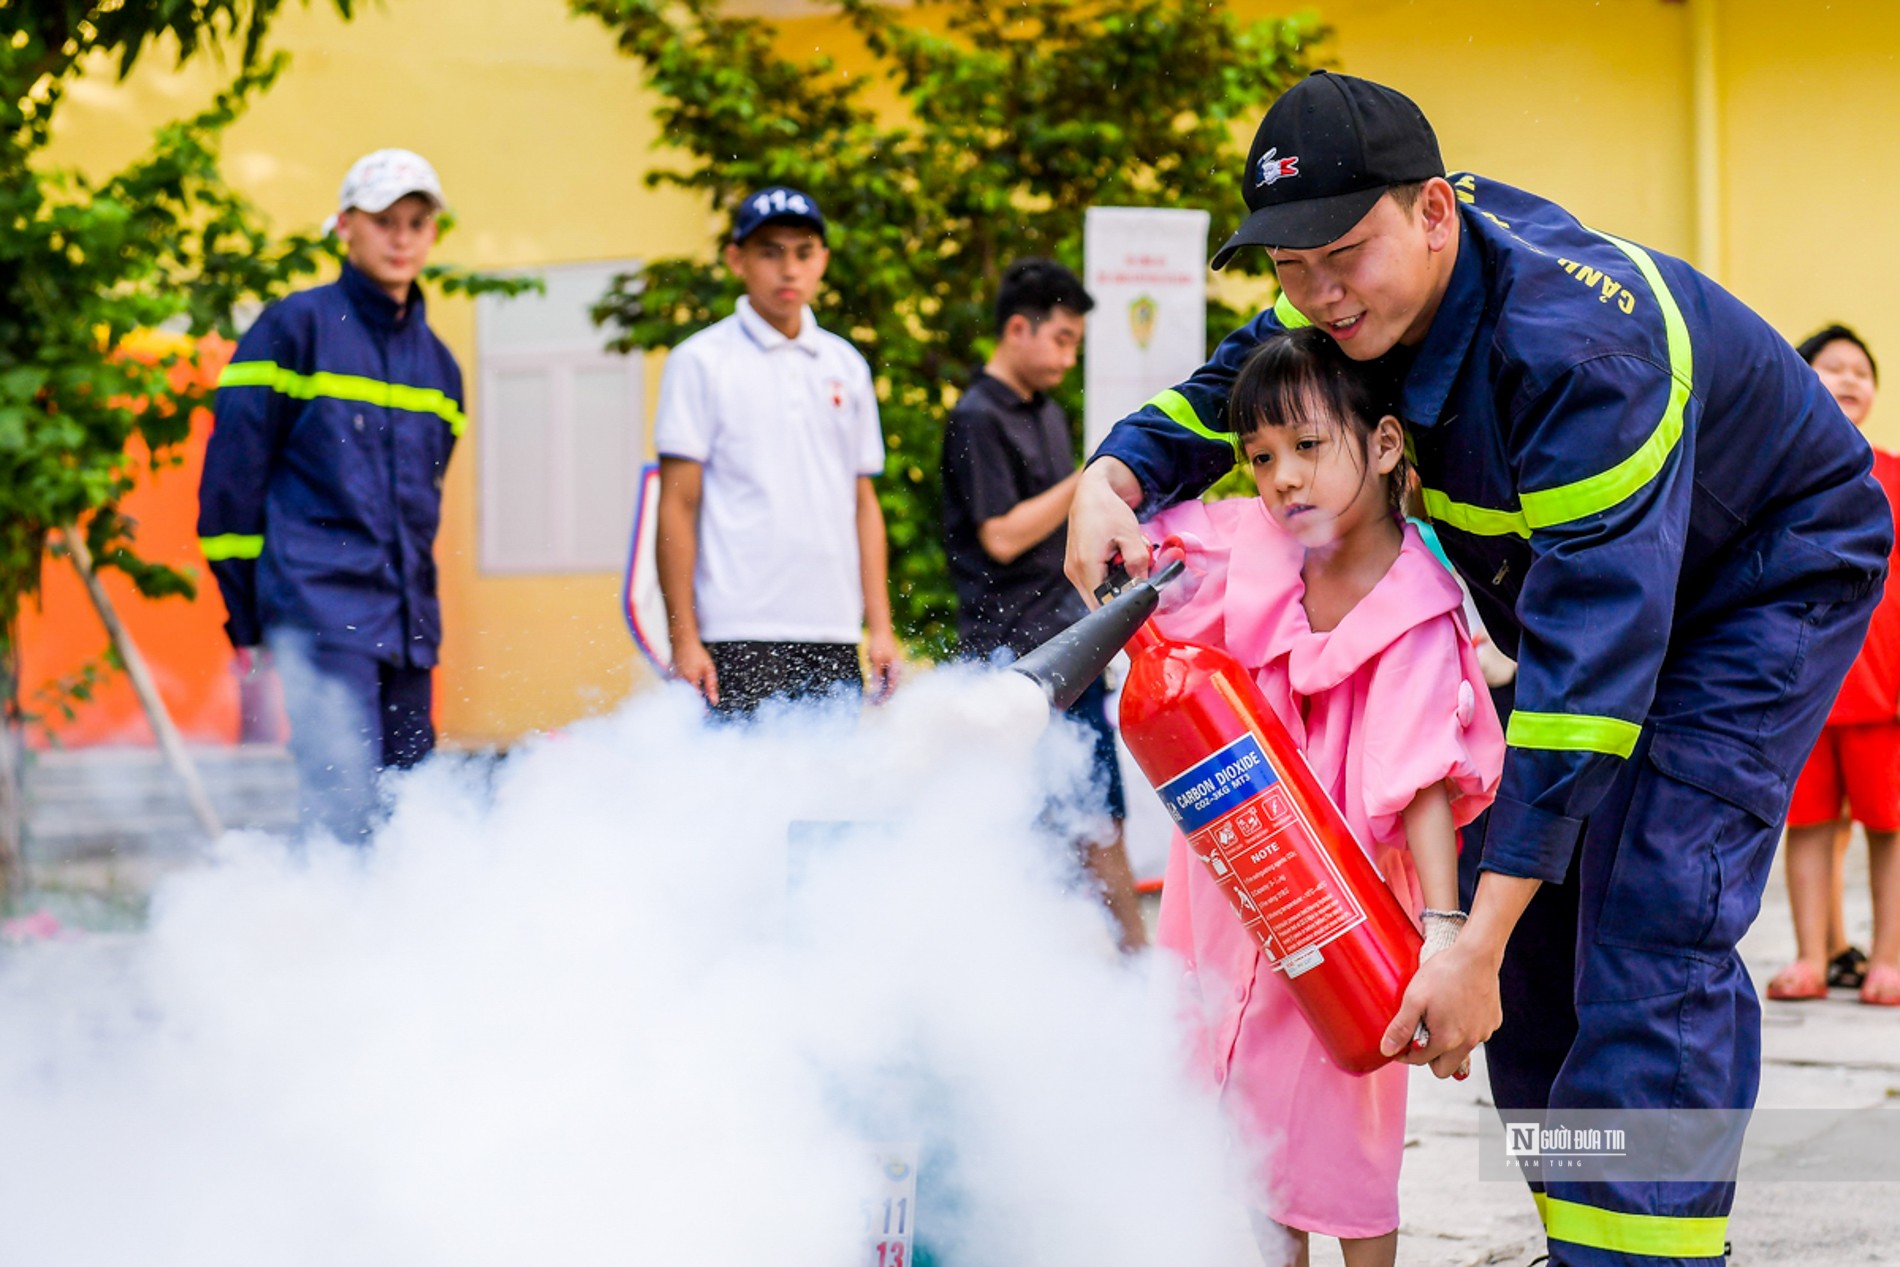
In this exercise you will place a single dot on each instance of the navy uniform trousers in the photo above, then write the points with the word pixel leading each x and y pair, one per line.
pixel 351 718
pixel 1622 988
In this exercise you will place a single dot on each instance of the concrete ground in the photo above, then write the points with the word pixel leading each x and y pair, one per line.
pixel 1831 1055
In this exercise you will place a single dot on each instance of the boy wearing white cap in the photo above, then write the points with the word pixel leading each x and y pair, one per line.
pixel 322 492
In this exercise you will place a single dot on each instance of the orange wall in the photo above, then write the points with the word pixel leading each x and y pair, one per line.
pixel 183 642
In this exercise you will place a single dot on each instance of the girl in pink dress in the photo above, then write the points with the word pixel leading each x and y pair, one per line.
pixel 1354 632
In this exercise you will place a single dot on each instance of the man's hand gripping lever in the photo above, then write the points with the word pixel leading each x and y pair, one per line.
pixel 1102 526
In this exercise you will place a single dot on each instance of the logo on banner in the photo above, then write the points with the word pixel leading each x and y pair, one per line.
pixel 1273 168
pixel 1141 319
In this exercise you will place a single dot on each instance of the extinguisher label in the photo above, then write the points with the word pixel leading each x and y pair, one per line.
pixel 1264 853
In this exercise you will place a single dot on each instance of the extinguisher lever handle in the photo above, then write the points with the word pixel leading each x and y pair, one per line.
pixel 1118 579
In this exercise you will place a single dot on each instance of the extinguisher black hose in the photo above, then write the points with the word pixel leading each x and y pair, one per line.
pixel 1066 664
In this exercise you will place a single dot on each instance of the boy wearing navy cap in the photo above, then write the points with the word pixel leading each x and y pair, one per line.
pixel 771 551
pixel 1665 518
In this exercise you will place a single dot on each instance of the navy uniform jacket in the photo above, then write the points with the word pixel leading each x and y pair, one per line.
pixel 1614 451
pixel 323 477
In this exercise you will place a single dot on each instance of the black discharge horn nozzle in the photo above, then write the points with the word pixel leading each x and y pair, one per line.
pixel 1065 665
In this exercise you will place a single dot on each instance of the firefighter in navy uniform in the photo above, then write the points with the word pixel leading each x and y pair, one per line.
pixel 1662 515
pixel 322 492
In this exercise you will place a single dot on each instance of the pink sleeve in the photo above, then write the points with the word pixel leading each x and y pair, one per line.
pixel 1192 608
pixel 1429 719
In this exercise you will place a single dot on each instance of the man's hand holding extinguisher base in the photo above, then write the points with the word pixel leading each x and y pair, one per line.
pixel 1455 994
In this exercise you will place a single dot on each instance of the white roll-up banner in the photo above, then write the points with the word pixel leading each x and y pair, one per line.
pixel 1146 269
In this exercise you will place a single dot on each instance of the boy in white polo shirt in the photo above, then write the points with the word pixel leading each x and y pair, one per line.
pixel 772 556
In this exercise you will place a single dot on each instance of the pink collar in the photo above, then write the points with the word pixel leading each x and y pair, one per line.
pixel 1265 619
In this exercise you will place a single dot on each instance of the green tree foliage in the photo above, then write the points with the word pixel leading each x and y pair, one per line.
pixel 57 34
pixel 84 263
pixel 1014 120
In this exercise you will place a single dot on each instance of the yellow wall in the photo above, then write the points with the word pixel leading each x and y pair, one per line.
pixel 1584 103
pixel 1592 105
pixel 1811 164
pixel 542 133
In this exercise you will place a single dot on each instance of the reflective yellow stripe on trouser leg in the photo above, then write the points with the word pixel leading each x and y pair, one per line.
pixel 1654 1235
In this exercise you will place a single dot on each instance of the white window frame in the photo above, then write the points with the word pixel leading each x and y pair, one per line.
pixel 562 360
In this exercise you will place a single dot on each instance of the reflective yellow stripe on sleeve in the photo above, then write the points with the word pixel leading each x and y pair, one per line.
pixel 370 391
pixel 1652 1235
pixel 231 545
pixel 1479 521
pixel 248 374
pixel 1175 405
pixel 1572 732
pixel 1567 503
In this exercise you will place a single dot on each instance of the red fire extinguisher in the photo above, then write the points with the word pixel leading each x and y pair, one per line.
pixel 1245 798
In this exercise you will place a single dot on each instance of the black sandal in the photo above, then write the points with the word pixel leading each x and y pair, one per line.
pixel 1847 970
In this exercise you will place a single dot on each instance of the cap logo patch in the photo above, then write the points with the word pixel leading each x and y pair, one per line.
pixel 779 202
pixel 1274 168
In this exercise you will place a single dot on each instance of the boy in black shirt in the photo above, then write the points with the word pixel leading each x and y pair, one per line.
pixel 1009 472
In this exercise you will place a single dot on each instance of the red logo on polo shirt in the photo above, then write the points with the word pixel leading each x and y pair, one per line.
pixel 834 391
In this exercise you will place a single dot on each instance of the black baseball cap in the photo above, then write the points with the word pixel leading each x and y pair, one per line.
pixel 1325 153
pixel 776 204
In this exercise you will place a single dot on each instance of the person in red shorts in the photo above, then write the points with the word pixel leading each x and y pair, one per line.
pixel 1856 763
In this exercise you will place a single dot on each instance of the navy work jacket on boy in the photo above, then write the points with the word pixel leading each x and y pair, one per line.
pixel 323 478
pixel 1616 453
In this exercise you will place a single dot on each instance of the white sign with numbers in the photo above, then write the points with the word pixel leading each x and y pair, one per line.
pixel 890 1215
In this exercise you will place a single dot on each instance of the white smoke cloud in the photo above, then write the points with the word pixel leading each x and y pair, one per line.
pixel 588 1007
